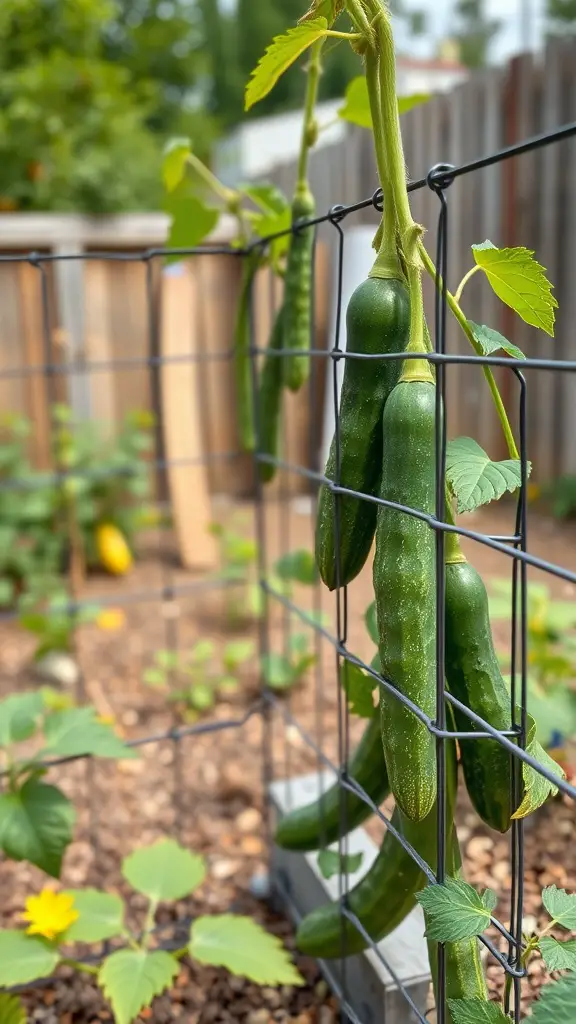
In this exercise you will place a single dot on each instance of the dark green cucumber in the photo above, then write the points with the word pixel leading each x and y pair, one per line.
pixel 405 591
pixel 243 368
pixel 386 893
pixel 298 295
pixel 474 678
pixel 318 823
pixel 270 399
pixel 377 321
pixel 464 973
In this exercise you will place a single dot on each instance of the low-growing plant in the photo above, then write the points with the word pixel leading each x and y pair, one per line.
pixel 36 818
pixel 131 977
pixel 561 494
pixel 192 678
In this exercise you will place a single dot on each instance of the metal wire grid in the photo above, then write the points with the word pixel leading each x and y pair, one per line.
pixel 269 705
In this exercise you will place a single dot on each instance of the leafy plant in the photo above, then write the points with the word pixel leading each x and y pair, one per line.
pixel 132 976
pixel 203 683
pixel 562 495
pixel 455 911
pixel 551 657
pixel 36 818
pixel 284 671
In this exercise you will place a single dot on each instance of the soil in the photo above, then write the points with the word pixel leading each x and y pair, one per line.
pixel 207 789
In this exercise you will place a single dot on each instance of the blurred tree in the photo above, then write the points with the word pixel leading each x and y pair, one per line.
pixel 88 91
pixel 474 32
pixel 560 17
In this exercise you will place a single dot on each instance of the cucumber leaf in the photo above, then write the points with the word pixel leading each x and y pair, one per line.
pixel 491 341
pixel 561 906
pixel 11 1010
pixel 520 282
pixel 329 9
pixel 243 947
pixel 558 956
pixel 281 53
pixel 359 688
pixel 557 1003
pixel 476 1011
pixel 130 978
pixel 356 106
pixel 176 153
pixel 455 910
pixel 191 222
pixel 537 788
pixel 331 863
pixel 472 476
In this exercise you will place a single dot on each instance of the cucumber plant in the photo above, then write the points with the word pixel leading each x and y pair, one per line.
pixel 36 818
pixel 193 681
pixel 131 976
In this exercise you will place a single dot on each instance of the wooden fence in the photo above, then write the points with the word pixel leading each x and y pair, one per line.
pixel 529 200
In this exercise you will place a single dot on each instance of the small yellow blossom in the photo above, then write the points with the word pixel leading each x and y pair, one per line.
pixel 106 719
pixel 111 619
pixel 532 492
pixel 50 913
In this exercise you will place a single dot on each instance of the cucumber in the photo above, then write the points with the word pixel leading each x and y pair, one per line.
pixel 377 320
pixel 386 894
pixel 270 399
pixel 318 823
pixel 298 295
pixel 473 676
pixel 404 587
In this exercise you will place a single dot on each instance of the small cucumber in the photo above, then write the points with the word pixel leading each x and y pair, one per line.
pixel 377 321
pixel 386 893
pixel 270 399
pixel 298 295
pixel 405 591
pixel 473 676
pixel 318 823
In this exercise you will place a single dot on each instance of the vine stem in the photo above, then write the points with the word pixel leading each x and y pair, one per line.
pixel 464 282
pixel 461 318
pixel 309 129
pixel 209 179
pixel 387 250
pixel 86 968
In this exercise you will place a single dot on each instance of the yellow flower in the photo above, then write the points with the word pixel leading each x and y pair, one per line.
pixel 49 914
pixel 111 619
pixel 532 492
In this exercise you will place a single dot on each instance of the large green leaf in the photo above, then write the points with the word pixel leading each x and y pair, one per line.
pixel 476 1011
pixel 558 956
pixel 474 478
pixel 491 341
pixel 11 1010
pixel 416 99
pixel 281 53
pixel 36 825
pixel 519 281
pixel 100 916
pixel 557 1003
pixel 176 153
pixel 77 731
pixel 561 906
pixel 192 222
pixel 164 871
pixel 130 978
pixel 243 947
pixel 24 958
pixel 455 910
pixel 20 715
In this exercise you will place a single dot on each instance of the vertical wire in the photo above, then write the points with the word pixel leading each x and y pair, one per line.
pixel 168 597
pixel 267 704
pixel 313 448
pixel 440 459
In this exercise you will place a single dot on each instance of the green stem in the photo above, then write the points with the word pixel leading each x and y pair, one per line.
pixel 352 37
pixel 209 179
pixel 458 313
pixel 464 282
pixel 179 953
pixel 308 139
pixel 85 968
pixel 358 18
pixel 387 262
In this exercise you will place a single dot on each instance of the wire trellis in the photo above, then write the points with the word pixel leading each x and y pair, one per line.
pixel 269 705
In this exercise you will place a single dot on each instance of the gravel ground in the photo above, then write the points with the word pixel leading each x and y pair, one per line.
pixel 207 790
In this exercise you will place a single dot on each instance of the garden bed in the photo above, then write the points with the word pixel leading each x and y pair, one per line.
pixel 207 789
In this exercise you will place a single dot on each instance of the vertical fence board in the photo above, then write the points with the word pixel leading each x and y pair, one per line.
pixel 37 406
pixel 98 343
